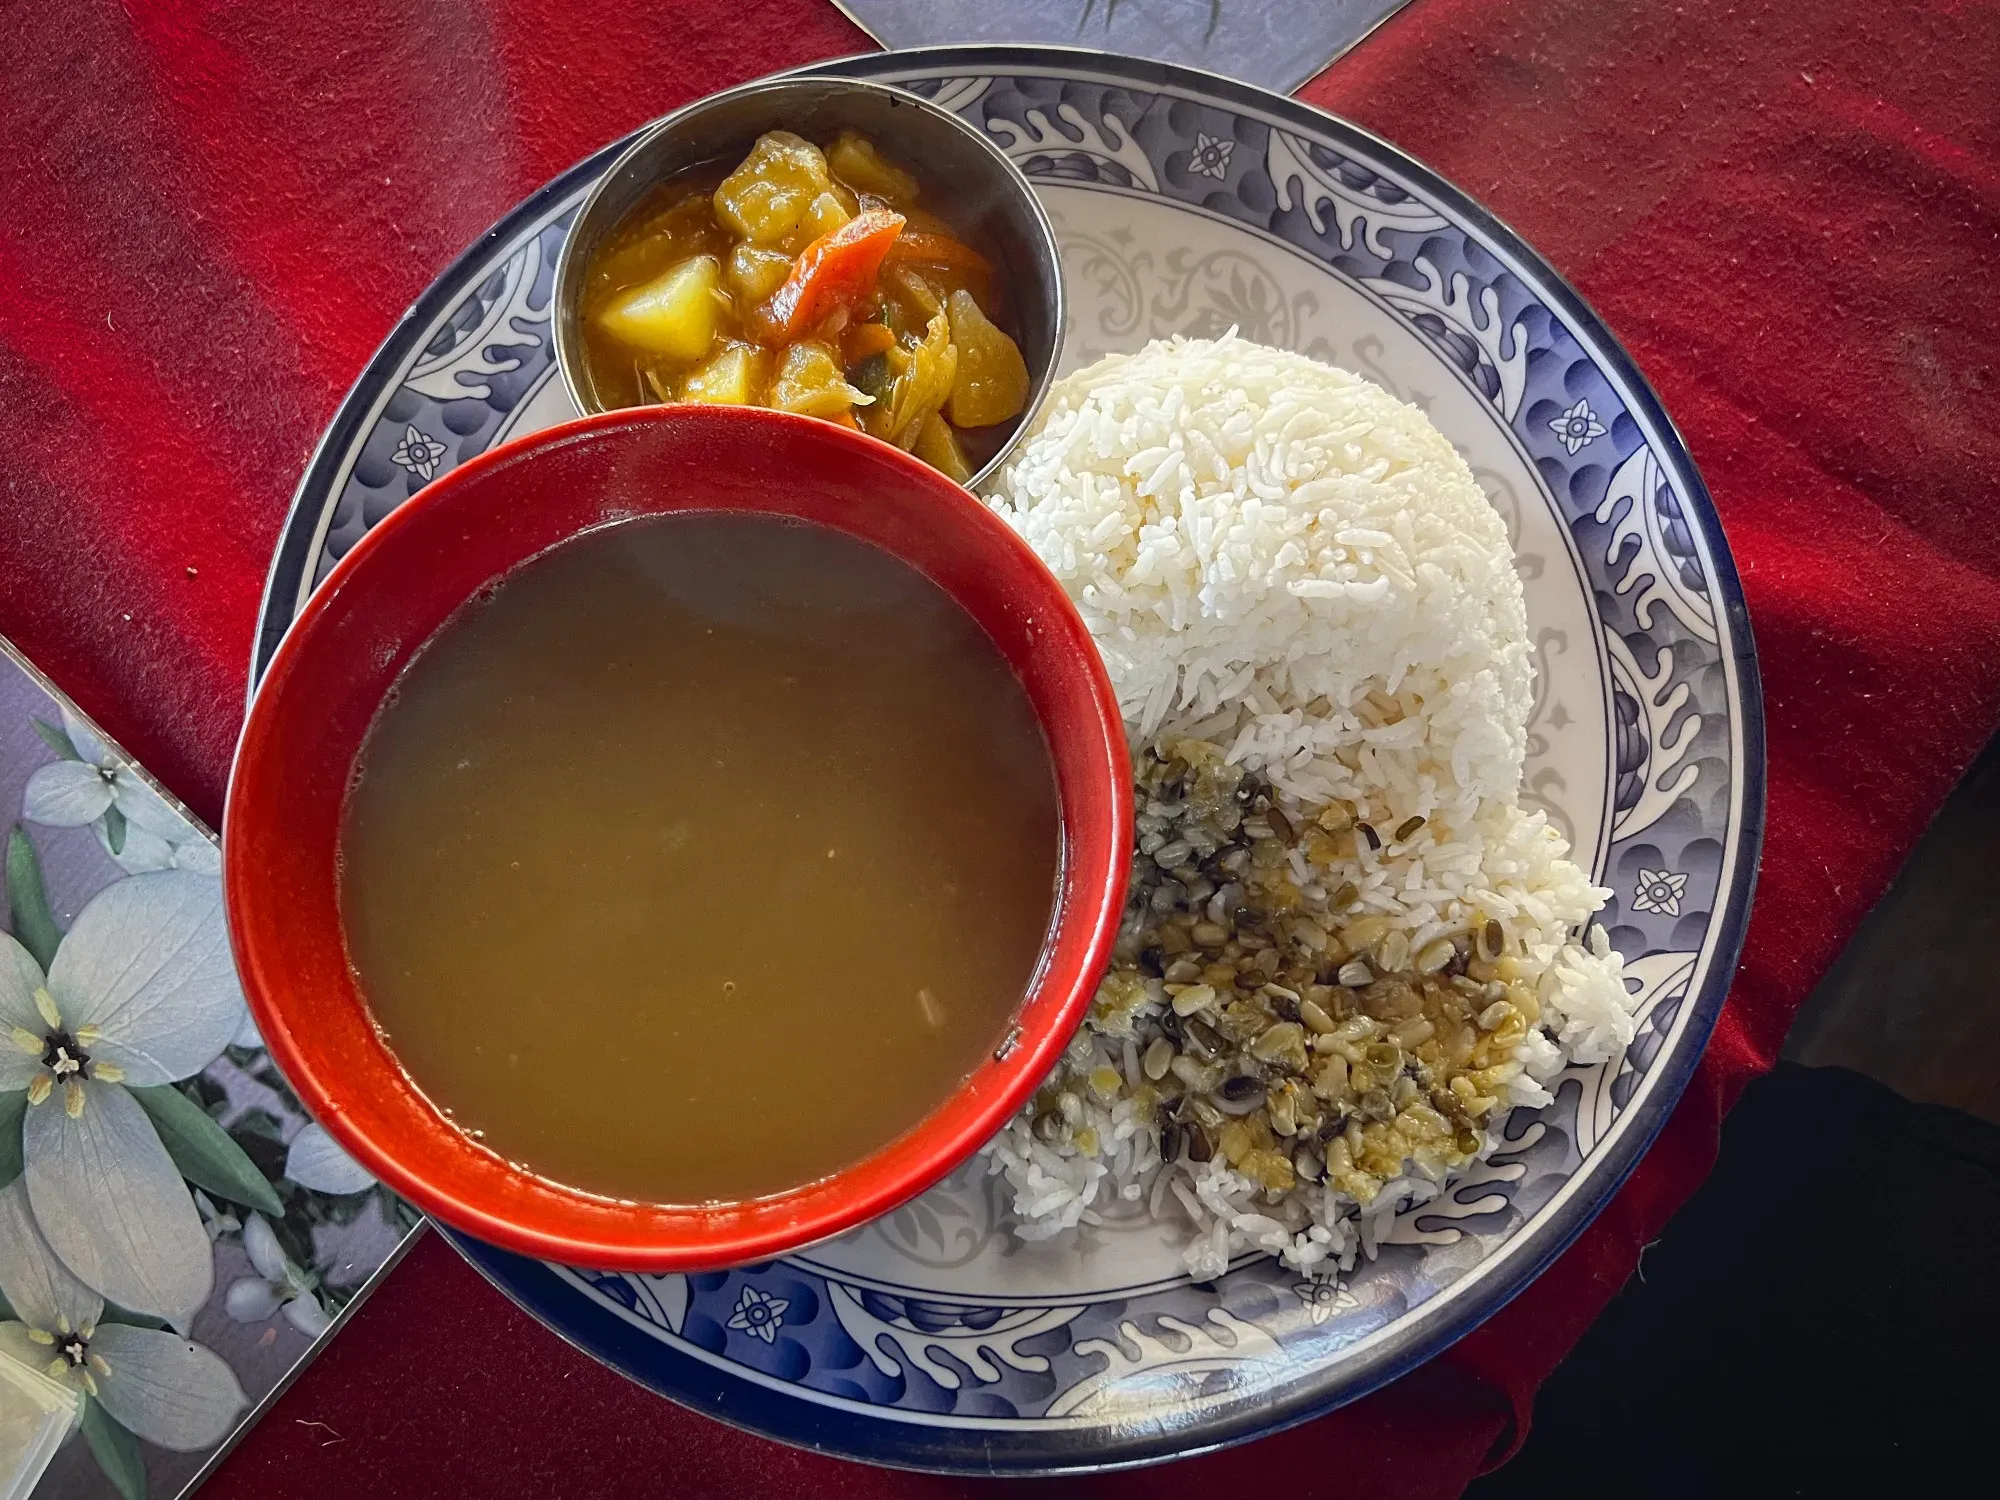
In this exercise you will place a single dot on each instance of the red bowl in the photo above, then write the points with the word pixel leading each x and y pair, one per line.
pixel 402 581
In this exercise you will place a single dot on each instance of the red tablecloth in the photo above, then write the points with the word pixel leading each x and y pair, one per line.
pixel 210 214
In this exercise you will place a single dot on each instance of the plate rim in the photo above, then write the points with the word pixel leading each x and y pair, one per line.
pixel 1399 1354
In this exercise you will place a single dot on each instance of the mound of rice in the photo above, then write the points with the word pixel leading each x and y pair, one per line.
pixel 1283 561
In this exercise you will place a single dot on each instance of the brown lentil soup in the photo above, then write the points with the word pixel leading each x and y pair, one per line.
pixel 701 859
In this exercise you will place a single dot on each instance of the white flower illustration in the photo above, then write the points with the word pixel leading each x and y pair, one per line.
pixel 1324 1296
pixel 1577 426
pixel 759 1314
pixel 156 1384
pixel 144 854
pixel 1210 157
pixel 93 784
pixel 277 1284
pixel 419 452
pixel 142 992
pixel 1660 891
pixel 314 1160
pixel 216 1219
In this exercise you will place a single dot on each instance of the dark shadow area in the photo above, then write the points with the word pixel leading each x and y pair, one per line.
pixel 1820 1319
pixel 1913 1001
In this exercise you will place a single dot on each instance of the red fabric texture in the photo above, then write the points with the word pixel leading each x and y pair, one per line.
pixel 210 213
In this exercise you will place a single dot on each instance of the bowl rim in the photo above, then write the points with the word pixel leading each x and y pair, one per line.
pixel 691 1237
pixel 564 340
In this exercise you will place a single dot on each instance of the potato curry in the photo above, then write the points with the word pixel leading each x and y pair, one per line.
pixel 810 280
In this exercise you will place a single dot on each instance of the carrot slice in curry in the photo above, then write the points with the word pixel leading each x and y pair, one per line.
pixel 835 270
pixel 937 250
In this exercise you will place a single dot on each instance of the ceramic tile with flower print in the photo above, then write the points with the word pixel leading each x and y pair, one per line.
pixel 175 1234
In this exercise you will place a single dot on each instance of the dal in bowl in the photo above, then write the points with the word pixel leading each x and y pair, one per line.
pixel 388 677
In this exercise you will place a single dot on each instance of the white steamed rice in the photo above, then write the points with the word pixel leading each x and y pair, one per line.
pixel 1282 559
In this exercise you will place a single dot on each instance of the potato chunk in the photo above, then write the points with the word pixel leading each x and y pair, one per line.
pixel 991 384
pixel 675 314
pixel 822 216
pixel 937 445
pixel 855 161
pixel 763 200
pixel 810 382
pixel 732 378
pixel 755 273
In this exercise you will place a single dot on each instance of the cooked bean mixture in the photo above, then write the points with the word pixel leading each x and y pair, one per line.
pixel 1275 1025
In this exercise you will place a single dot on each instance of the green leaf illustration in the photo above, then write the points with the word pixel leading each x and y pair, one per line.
pixel 12 1107
pixel 114 829
pixel 116 1451
pixel 56 738
pixel 34 924
pixel 203 1151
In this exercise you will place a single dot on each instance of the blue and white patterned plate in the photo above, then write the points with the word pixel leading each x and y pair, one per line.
pixel 1185 202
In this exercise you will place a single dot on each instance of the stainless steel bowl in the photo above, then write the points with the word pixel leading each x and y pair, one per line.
pixel 966 179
